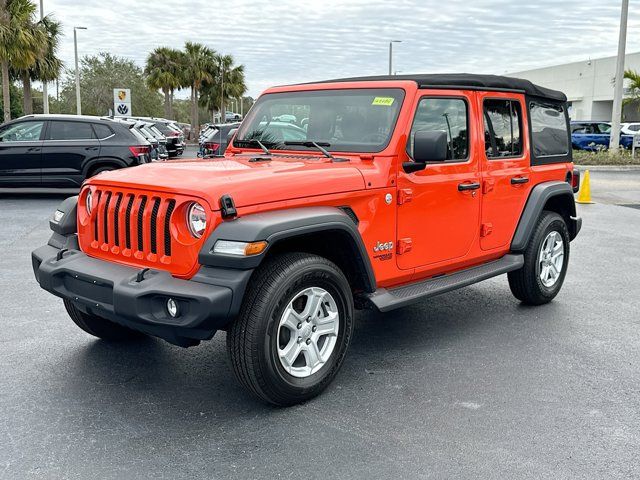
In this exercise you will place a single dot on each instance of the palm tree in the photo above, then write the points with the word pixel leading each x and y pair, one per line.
pixel 48 65
pixel 163 71
pixel 200 61
pixel 20 43
pixel 230 78
pixel 634 87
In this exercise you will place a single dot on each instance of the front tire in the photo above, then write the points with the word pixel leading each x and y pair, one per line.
pixel 294 328
pixel 545 262
pixel 98 326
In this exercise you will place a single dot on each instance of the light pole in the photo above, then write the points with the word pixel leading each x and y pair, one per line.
pixel 614 141
pixel 75 47
pixel 391 55
pixel 45 95
pixel 223 112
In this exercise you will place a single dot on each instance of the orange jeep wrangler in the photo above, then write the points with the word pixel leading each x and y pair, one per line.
pixel 355 193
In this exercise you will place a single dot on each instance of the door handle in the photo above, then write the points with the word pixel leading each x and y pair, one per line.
pixel 519 180
pixel 463 187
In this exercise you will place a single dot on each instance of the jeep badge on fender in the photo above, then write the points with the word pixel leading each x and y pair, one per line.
pixel 153 251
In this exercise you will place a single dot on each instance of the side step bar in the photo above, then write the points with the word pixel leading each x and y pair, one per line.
pixel 388 299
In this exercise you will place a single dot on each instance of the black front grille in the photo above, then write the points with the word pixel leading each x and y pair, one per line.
pixel 133 222
pixel 154 224
pixel 167 228
pixel 143 204
pixel 116 220
pixel 127 223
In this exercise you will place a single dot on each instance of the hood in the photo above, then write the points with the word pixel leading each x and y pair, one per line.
pixel 249 183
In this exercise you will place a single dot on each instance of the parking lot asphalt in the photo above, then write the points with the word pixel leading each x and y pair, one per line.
pixel 470 384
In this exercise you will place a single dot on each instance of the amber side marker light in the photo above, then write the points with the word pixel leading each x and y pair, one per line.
pixel 241 249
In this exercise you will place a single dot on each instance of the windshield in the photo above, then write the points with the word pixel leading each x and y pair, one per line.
pixel 350 120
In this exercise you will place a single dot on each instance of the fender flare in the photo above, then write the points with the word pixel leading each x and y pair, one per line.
pixel 538 198
pixel 278 225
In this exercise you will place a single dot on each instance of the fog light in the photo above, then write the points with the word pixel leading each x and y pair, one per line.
pixel 172 308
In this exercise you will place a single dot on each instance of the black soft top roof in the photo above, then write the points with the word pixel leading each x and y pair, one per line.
pixel 467 81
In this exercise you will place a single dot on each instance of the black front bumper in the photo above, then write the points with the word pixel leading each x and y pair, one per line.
pixel 207 302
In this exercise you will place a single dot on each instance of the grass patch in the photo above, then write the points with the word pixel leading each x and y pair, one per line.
pixel 604 157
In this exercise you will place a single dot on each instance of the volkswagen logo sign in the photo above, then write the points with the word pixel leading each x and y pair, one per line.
pixel 123 109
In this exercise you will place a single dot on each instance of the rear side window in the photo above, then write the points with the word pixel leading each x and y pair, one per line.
pixel 102 131
pixel 549 136
pixel 502 127
pixel 163 128
pixel 69 131
pixel 445 114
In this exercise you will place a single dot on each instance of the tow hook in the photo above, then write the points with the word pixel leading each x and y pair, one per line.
pixel 140 275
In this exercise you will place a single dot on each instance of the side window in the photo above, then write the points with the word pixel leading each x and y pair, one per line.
pixel 502 126
pixel 102 131
pixel 549 136
pixel 21 132
pixel 448 115
pixel 604 128
pixel 582 128
pixel 70 131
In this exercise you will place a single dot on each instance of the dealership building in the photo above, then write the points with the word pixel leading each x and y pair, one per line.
pixel 588 86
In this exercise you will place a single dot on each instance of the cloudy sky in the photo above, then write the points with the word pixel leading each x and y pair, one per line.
pixel 290 41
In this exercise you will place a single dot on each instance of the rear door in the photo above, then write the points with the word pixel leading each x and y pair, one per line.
pixel 505 166
pixel 67 147
pixel 20 153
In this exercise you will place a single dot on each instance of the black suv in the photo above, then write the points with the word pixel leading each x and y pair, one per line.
pixel 64 150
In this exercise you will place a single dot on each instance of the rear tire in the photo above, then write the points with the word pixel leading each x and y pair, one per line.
pixel 294 328
pixel 545 262
pixel 100 327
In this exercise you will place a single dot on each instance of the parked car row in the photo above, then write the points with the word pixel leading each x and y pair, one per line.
pixel 593 136
pixel 172 132
pixel 214 139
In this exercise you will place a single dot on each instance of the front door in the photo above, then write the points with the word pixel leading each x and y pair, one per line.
pixel 439 207
pixel 505 167
pixel 20 152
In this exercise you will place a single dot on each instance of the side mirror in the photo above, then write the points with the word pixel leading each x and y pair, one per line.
pixel 230 135
pixel 428 146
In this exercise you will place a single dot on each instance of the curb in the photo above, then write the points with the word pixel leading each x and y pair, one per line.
pixel 609 168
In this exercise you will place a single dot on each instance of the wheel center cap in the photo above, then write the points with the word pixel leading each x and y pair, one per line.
pixel 305 331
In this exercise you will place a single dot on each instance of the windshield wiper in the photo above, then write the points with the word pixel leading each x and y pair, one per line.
pixel 318 145
pixel 255 141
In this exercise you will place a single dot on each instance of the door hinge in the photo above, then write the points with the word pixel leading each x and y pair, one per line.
pixel 404 245
pixel 487 185
pixel 486 229
pixel 404 195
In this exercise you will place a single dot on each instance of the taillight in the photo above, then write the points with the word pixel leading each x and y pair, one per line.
pixel 211 146
pixel 575 181
pixel 138 150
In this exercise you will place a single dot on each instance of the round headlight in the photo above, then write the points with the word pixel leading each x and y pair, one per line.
pixel 196 219
pixel 88 202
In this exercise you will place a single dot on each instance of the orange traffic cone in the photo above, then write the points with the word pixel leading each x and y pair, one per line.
pixel 584 196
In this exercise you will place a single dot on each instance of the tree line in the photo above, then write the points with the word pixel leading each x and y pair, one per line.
pixel 28 52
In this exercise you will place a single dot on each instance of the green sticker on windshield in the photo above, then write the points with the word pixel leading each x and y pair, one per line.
pixel 384 101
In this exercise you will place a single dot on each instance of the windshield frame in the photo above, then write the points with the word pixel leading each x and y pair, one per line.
pixel 398 91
